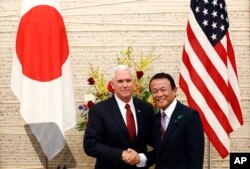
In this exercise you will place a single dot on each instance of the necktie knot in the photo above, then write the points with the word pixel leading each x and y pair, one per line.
pixel 163 115
pixel 127 106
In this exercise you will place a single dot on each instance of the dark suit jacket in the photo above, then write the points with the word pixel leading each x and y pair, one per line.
pixel 106 135
pixel 182 146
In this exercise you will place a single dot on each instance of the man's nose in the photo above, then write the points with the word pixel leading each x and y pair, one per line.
pixel 125 84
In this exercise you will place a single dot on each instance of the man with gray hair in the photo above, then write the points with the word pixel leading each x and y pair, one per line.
pixel 119 128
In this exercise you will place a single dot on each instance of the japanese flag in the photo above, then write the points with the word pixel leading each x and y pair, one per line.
pixel 41 74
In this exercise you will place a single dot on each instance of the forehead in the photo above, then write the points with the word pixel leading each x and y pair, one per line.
pixel 159 83
pixel 123 74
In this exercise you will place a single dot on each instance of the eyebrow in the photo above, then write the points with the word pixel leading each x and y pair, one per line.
pixel 121 80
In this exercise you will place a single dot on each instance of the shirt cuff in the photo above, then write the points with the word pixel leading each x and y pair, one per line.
pixel 143 160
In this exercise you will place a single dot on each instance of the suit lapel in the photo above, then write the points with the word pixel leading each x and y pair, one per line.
pixel 117 116
pixel 116 113
pixel 157 133
pixel 172 125
pixel 138 118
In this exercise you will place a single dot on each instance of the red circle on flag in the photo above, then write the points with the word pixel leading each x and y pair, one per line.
pixel 41 43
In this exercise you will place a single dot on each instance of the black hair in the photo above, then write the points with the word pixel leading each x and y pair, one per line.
pixel 163 75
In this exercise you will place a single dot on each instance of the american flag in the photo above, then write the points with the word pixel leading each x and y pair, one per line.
pixel 208 72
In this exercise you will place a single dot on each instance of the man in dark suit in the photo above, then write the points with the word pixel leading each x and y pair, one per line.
pixel 178 132
pixel 118 140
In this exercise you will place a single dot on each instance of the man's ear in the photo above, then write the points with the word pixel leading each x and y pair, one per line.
pixel 175 91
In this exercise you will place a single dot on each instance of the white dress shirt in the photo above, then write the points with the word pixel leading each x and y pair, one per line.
pixel 123 110
pixel 169 111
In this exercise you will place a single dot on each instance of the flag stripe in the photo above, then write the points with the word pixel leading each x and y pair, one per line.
pixel 234 106
pixel 222 53
pixel 234 91
pixel 231 56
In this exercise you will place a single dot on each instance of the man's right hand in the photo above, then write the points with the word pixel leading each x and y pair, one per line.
pixel 130 156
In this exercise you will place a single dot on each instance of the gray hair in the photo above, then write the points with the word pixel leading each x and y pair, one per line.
pixel 119 68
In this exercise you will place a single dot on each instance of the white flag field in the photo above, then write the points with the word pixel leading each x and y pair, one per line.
pixel 41 75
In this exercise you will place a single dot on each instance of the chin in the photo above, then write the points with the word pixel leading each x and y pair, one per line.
pixel 162 106
pixel 126 96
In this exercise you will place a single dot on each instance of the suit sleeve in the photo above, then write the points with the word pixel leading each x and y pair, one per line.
pixel 195 136
pixel 93 140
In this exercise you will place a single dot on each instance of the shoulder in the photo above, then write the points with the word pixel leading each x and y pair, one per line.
pixel 139 102
pixel 144 107
pixel 102 104
pixel 100 110
pixel 184 107
pixel 188 111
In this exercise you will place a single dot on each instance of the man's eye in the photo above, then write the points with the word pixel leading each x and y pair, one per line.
pixel 163 90
pixel 155 91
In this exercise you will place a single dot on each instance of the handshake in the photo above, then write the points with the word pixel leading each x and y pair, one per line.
pixel 130 157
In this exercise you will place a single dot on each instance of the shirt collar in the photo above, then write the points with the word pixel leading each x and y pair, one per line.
pixel 170 109
pixel 122 104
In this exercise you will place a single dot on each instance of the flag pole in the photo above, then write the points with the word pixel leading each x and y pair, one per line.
pixel 46 163
pixel 209 155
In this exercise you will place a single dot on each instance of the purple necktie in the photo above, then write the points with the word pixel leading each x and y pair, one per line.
pixel 163 124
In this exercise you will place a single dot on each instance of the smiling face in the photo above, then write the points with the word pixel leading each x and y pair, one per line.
pixel 162 92
pixel 123 84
